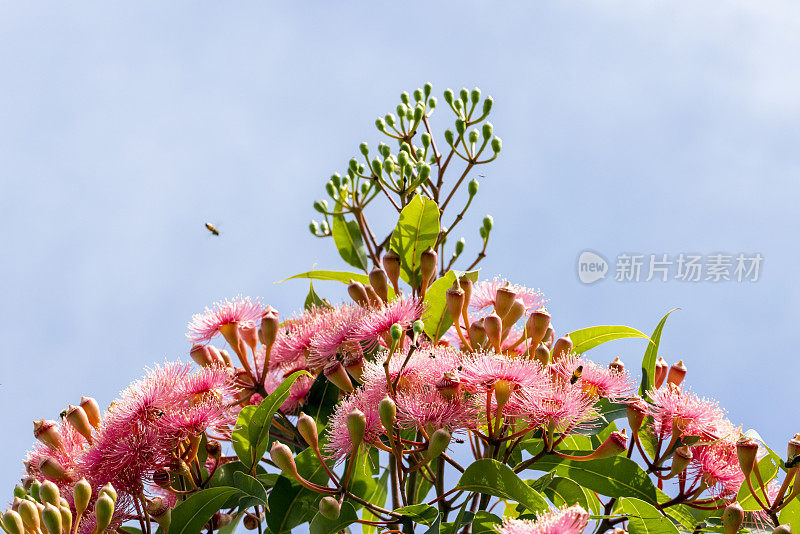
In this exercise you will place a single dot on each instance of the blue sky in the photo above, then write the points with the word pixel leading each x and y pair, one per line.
pixel 645 127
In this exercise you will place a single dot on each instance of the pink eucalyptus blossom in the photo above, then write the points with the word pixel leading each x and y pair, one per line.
pixel 240 310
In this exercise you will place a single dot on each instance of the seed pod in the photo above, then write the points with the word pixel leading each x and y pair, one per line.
pixel 542 355
pixel 201 355
pixel 358 293
pixel 391 265
pixel 66 517
pixel 680 460
pixel 213 449
pixel 438 443
pixel 616 443
pixel 617 365
pixel 454 298
pixel 380 282
pixel 46 432
pixel 536 326
pixel 493 326
pixel 503 299
pixel 282 457
pixel 160 511
pixel 329 508
pixel 92 410
pixel 427 266
pixel 676 373
pixel 80 422
pixel 250 521
pixel 30 515
pixel 109 490
pixel 746 451
pixel 510 319
pixel 53 470
pixel 562 347
pixel 337 375
pixel 477 334
pixel 732 518
pixel 786 528
pixel 502 392
pixel 637 411
pixel 449 385
pixel 373 297
pixel 661 372
pixel 162 478
pixel 269 326
pixel 354 365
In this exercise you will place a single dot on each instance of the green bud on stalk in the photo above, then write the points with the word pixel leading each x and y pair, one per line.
pixel 329 508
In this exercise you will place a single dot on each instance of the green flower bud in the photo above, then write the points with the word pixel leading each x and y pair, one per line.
pixel 376 167
pixel 390 119
pixel 160 511
pixel 402 158
pixel 321 206
pixel 437 444
pixel 346 179
pixel 432 102
pixel 473 136
pixel 356 426
pixel 427 88
pixel 488 223
pixel 396 332
pixel 13 522
pixel 475 96
pixel 472 188
pixel 34 490
pixel 360 169
pixel 336 178
pixel 460 126
pixel 487 105
pixel 418 327
pixel 384 150
pixel 308 429
pixel 364 148
pixel 331 189
pixel 458 105
pixel 329 507
pixel 353 164
pixel 424 171
pixel 66 517
pixel 418 112
pixel 483 232
pixel 388 165
pixel 460 244
pixel 282 457
pixel 732 518
pixel 82 494
pixel 30 515
pixel 313 227
pixel 402 111
pixel 387 409
pixel 51 518
pixel 103 512
pixel 48 492
pixel 417 94
pixel 487 130
pixel 324 228
pixel 380 125
pixel 448 136
pixel 420 154
pixel 426 139
pixel 109 490
pixel 497 145
pixel 448 96
pixel 365 187
pixel 404 98
pixel 464 94
pixel 20 492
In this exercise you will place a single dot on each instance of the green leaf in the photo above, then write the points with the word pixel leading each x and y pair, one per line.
pixel 321 400
pixel 379 498
pixel 588 338
pixel 485 523
pixel 362 482
pixel 315 301
pixel 416 230
pixel 322 525
pixel 290 504
pixel 768 468
pixel 254 491
pixel 613 477
pixel 490 477
pixel 334 276
pixel 645 518
pixel 436 317
pixel 564 492
pixel 349 243
pixel 650 356
pixel 251 434
pixel 189 516
pixel 424 514
pixel 791 513
pixel 681 513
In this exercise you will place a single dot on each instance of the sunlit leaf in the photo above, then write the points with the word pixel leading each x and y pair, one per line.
pixel 189 516
pixel 349 243
pixel 490 477
pixel 650 356
pixel 416 230
pixel 436 317
pixel 588 338
pixel 644 518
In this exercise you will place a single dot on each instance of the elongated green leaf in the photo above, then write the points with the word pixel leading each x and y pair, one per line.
pixel 436 317
pixel 315 301
pixel 290 504
pixel 379 498
pixel 679 512
pixel 363 482
pixel 251 435
pixel 613 477
pixel 189 516
pixel 644 518
pixel 768 468
pixel 650 356
pixel 588 338
pixel 416 230
pixel 253 490
pixel 791 514
pixel 322 525
pixel 334 276
pixel 485 523
pixel 490 477
pixel 419 513
pixel 349 243
pixel 564 492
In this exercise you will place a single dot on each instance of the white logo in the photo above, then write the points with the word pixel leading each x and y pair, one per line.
pixel 591 267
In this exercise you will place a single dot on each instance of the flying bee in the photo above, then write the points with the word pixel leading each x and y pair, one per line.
pixel 576 374
pixel 211 228
pixel 458 440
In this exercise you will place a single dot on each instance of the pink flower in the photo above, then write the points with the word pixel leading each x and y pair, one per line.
pixel 718 467
pixel 688 413
pixel 297 392
pixel 596 381
pixel 483 295
pixel 294 342
pixel 375 325
pixel 338 444
pixel 482 370
pixel 572 520
pixel 427 408
pixel 559 407
pixel 332 336
pixel 206 325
